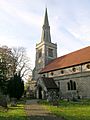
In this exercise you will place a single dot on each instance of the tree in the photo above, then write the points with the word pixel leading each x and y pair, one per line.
pixel 1 82
pixel 16 87
pixel 13 61
pixel 23 65
pixel 7 67
pixel 7 62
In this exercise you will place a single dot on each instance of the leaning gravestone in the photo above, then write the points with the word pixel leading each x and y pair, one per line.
pixel 3 101
pixel 13 102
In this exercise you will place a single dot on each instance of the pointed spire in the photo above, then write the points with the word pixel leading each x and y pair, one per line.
pixel 46 18
pixel 46 37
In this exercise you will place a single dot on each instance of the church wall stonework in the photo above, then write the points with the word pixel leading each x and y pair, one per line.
pixel 82 81
pixel 81 76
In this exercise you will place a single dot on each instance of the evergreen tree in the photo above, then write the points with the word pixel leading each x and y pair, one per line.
pixel 16 87
pixel 3 84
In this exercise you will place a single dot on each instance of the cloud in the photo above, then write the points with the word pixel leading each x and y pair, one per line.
pixel 73 16
pixel 10 41
pixel 21 23
pixel 24 16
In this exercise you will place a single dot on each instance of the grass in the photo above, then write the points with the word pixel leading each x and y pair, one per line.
pixel 13 113
pixel 71 110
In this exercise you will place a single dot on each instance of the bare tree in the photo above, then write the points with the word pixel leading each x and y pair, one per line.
pixel 23 65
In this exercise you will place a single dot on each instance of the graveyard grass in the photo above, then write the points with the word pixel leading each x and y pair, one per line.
pixel 67 110
pixel 13 113
pixel 71 110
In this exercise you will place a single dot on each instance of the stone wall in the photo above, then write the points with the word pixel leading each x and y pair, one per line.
pixel 82 81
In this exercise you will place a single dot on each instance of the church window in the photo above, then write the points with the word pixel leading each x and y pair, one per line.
pixel 68 86
pixel 40 53
pixel 50 52
pixel 71 85
pixel 88 66
pixel 62 72
pixel 74 69
pixel 44 75
pixel 52 73
pixel 74 86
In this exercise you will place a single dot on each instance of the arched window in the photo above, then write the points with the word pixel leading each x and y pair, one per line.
pixel 71 85
pixel 68 86
pixel 74 86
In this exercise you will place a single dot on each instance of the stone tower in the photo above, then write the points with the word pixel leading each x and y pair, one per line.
pixel 45 50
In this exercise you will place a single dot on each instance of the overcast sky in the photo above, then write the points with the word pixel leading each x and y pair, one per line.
pixel 21 24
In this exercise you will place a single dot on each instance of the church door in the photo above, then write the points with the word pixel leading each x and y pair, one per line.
pixel 40 92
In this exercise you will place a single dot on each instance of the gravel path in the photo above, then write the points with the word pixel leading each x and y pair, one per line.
pixel 36 111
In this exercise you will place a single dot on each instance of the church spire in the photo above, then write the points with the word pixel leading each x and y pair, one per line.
pixel 46 37
pixel 46 18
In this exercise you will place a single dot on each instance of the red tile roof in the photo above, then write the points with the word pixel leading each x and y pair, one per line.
pixel 75 58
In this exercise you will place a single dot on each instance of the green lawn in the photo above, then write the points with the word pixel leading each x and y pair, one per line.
pixel 72 110
pixel 13 113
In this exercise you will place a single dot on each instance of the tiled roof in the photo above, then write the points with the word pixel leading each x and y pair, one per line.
pixel 49 83
pixel 75 58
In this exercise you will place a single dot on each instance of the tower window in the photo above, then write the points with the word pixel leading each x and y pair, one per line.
pixel 50 52
pixel 40 53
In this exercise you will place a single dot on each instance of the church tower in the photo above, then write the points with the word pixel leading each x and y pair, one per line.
pixel 45 50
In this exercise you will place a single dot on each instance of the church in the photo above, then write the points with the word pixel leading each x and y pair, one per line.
pixel 67 75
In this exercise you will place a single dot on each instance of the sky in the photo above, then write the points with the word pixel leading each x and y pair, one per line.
pixel 21 24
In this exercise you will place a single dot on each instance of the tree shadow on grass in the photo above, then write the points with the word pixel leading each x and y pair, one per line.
pixel 13 118
pixel 39 118
pixel 48 117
